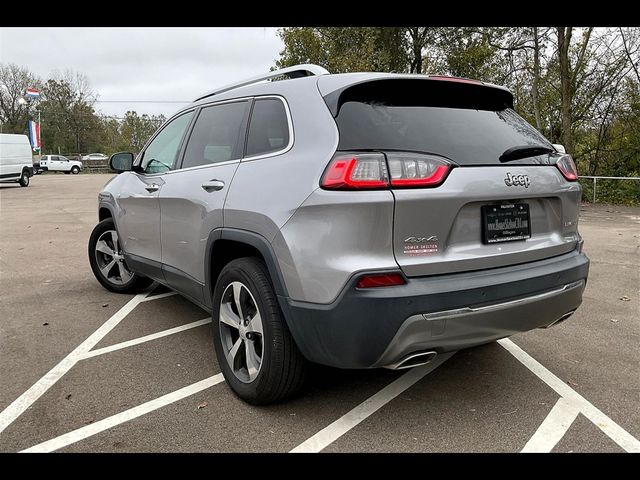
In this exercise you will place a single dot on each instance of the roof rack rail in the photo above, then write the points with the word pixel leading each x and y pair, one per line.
pixel 305 69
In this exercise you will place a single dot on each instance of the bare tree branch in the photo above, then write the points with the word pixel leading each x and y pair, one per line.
pixel 624 44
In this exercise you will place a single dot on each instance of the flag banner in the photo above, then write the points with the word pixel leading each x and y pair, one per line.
pixel 31 93
pixel 34 135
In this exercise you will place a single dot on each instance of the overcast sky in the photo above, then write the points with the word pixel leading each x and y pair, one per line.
pixel 153 64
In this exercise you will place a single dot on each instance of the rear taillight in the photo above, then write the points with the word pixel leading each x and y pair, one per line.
pixel 367 171
pixel 380 280
pixel 356 172
pixel 416 170
pixel 567 167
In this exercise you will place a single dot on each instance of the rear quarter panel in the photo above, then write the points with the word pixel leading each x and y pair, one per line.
pixel 267 191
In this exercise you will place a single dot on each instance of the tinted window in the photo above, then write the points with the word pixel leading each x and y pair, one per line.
pixel 269 129
pixel 468 126
pixel 216 136
pixel 162 152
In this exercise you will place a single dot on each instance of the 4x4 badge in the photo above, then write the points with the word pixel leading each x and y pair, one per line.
pixel 515 180
pixel 432 238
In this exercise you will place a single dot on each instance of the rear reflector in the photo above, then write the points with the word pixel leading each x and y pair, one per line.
pixel 380 280
pixel 369 171
pixel 567 167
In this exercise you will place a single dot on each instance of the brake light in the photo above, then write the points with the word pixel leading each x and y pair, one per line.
pixel 370 171
pixel 356 171
pixel 416 170
pixel 380 280
pixel 567 167
pixel 454 79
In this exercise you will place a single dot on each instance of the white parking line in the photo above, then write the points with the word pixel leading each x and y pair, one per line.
pixel 551 431
pixel 24 401
pixel 146 338
pixel 119 418
pixel 160 295
pixel 614 431
pixel 330 434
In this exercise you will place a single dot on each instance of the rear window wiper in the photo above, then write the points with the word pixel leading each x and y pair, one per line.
pixel 524 151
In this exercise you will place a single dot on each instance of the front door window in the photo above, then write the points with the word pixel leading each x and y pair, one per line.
pixel 162 153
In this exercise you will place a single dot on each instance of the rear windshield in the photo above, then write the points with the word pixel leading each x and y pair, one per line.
pixel 466 133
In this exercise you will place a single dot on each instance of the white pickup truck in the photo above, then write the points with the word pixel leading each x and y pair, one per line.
pixel 59 163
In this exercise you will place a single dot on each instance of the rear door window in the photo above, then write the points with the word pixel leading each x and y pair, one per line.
pixel 218 135
pixel 268 128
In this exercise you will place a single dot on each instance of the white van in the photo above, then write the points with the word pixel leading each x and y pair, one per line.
pixel 16 164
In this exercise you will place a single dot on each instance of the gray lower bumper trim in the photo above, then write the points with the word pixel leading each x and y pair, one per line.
pixel 500 306
pixel 460 328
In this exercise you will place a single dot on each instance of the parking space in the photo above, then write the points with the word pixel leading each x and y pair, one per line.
pixel 86 370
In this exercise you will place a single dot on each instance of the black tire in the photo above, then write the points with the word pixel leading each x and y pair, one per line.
pixel 136 284
pixel 24 179
pixel 283 369
pixel 75 170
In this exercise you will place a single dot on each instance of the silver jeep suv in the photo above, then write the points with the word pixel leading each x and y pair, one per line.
pixel 355 220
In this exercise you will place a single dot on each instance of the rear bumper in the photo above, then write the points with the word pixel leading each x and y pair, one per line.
pixel 379 327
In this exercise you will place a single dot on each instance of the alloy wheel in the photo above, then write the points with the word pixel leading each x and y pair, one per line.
pixel 111 260
pixel 241 331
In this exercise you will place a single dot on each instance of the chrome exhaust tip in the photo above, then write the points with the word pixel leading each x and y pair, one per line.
pixel 560 320
pixel 413 360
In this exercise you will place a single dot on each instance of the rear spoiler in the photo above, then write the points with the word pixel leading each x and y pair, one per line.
pixel 423 90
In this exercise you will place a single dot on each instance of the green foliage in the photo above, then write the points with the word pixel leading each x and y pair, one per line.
pixel 69 122
pixel 468 53
pixel 135 130
pixel 612 191
pixel 345 49
pixel 14 80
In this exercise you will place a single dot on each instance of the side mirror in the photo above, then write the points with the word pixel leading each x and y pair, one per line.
pixel 559 148
pixel 121 162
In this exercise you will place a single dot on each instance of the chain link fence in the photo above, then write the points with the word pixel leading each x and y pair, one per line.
pixel 616 190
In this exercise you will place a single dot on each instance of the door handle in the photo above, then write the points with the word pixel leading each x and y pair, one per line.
pixel 213 185
pixel 154 187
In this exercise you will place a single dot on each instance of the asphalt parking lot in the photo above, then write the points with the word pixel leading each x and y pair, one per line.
pixel 85 370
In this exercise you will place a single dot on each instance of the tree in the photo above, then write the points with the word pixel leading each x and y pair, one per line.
pixel 629 50
pixel 136 130
pixel 345 49
pixel 110 140
pixel 568 79
pixel 14 80
pixel 592 72
pixel 418 38
pixel 69 121
pixel 467 52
